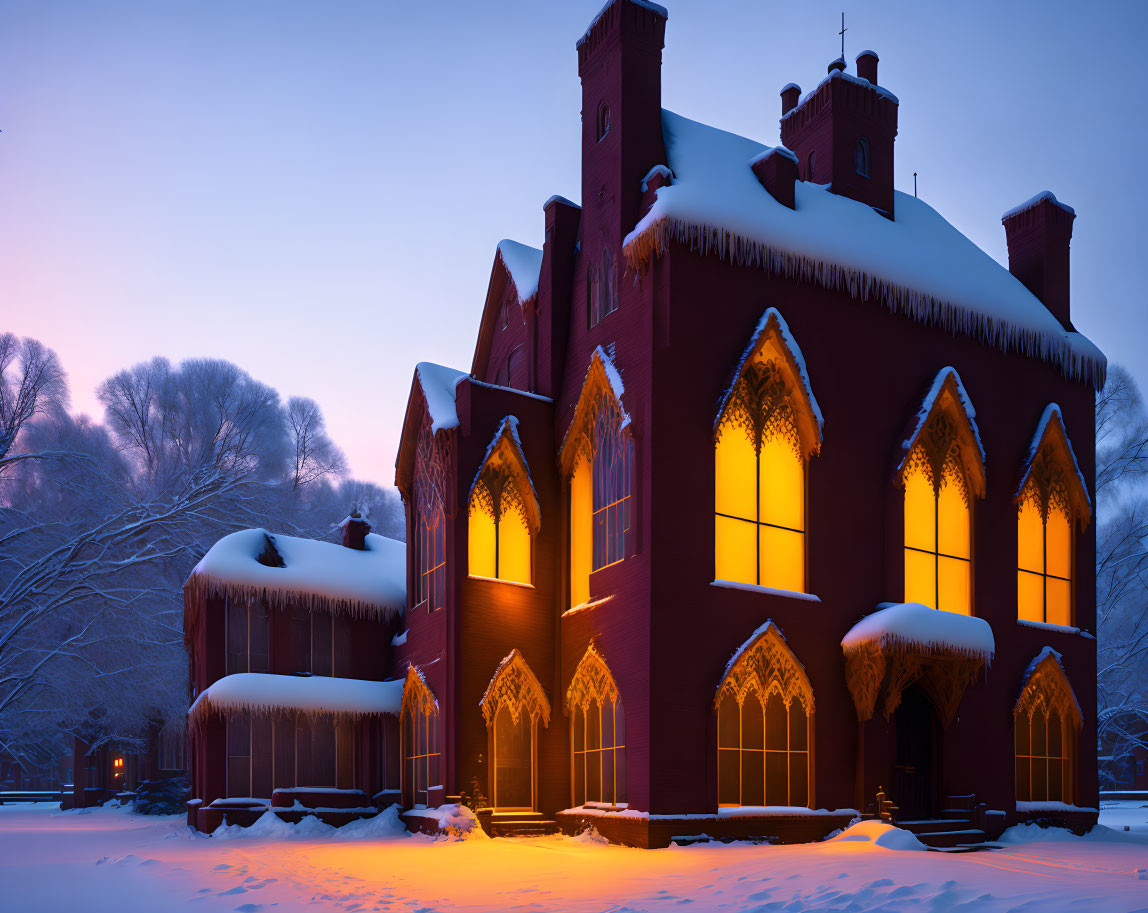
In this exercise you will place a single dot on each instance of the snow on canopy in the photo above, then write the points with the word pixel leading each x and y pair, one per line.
pixel 524 264
pixel 253 563
pixel 439 385
pixel 915 627
pixel 918 265
pixel 264 692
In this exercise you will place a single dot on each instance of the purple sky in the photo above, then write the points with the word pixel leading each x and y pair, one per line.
pixel 314 190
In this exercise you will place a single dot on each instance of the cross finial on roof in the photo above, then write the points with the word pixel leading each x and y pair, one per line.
pixel 842 34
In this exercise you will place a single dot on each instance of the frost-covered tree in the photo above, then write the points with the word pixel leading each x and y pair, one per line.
pixel 1122 564
pixel 315 454
pixel 32 384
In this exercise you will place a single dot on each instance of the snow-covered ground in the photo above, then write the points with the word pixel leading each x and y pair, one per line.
pixel 112 860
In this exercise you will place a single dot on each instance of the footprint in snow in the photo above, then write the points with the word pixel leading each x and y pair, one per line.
pixel 238 889
pixel 249 907
pixel 221 867
pixel 880 883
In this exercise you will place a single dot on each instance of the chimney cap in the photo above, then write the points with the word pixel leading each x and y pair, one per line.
pixel 559 199
pixel 837 65
pixel 872 54
pixel 1035 201
pixel 790 87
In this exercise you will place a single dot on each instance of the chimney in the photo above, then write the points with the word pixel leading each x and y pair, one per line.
pixel 563 221
pixel 776 169
pixel 867 66
pixel 847 125
pixel 620 67
pixel 790 95
pixel 355 530
pixel 1038 233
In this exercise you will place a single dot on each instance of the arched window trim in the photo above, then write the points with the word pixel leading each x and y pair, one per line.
pixel 503 483
pixel 515 687
pixel 601 287
pixel 862 157
pixel 602 121
pixel 1047 690
pixel 1050 472
pixel 762 666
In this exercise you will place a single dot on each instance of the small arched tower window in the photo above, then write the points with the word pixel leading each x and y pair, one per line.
pixel 809 163
pixel 603 121
pixel 861 157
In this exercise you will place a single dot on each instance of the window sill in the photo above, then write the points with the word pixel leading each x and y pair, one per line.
pixel 592 604
pixel 772 591
pixel 526 586
pixel 1049 626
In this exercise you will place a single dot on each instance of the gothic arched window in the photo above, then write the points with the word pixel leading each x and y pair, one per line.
pixel 597 733
pixel 941 470
pixel 766 431
pixel 420 745
pixel 765 726
pixel 1051 496
pixel 503 511
pixel 603 122
pixel 1046 727
pixel 598 455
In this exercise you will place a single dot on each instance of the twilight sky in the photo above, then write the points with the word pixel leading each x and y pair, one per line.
pixel 314 189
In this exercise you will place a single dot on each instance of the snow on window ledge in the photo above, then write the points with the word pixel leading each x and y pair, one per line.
pixel 592 604
pixel 1050 626
pixel 773 591
pixel 1052 807
pixel 519 583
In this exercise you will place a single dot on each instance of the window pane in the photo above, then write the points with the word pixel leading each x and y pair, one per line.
pixel 580 541
pixel 920 580
pixel 920 513
pixel 729 776
pixel 953 583
pixel 952 517
pixel 1059 607
pixel 735 487
pixel 1059 543
pixel 514 546
pixel 798 727
pixel 752 723
pixel 728 731
pixel 1023 787
pixel 799 778
pixel 1055 746
pixel 752 778
pixel 1039 779
pixel 776 724
pixel 579 727
pixel 594 776
pixel 1029 596
pixel 1056 781
pixel 776 778
pixel 1030 537
pixel 236 638
pixel 735 548
pixel 782 484
pixel 480 543
pixel 593 728
pixel 782 558
pixel 1039 732
pixel 258 624
pixel 1021 733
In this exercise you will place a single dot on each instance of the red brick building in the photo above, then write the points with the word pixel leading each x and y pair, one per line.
pixel 766 498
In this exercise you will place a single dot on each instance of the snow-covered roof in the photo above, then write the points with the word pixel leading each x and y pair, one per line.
pixel 1034 200
pixel 371 581
pixel 439 385
pixel 262 692
pixel 916 627
pixel 558 198
pixel 524 264
pixel 840 73
pixel 917 265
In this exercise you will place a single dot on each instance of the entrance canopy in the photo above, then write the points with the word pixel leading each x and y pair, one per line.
pixel 262 692
pixel 905 643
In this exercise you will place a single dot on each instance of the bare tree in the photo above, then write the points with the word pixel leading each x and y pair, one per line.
pixel 1122 565
pixel 32 383
pixel 316 456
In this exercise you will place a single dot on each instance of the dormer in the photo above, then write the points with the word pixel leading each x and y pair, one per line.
pixel 843 131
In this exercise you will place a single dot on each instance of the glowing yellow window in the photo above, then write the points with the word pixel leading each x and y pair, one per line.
pixel 499 517
pixel 1044 563
pixel 759 511
pixel 938 553
pixel 581 540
